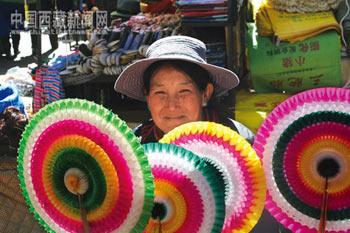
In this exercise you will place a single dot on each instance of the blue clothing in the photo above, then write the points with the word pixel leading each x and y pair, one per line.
pixel 9 97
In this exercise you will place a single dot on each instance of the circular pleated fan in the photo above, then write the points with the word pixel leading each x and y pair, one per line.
pixel 81 168
pixel 305 149
pixel 189 191
pixel 242 169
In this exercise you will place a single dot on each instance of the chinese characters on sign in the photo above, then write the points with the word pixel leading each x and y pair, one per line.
pixel 290 49
pixel 52 22
pixel 295 61
pixel 289 61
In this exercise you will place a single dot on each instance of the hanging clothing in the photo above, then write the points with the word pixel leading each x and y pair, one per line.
pixel 48 88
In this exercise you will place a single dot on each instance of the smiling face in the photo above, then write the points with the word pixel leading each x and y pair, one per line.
pixel 174 98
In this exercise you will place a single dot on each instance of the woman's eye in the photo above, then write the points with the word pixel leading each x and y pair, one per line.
pixel 159 93
pixel 185 91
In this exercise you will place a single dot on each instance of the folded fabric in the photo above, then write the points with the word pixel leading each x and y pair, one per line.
pixel 204 20
pixel 203 10
pixel 61 62
pixel 183 5
pixel 203 13
pixel 48 88
pixel 208 8
pixel 157 6
pixel 213 17
pixel 304 5
pixel 9 97
pixel 293 27
pixel 187 2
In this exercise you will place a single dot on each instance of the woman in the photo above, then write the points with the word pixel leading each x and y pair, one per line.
pixel 178 86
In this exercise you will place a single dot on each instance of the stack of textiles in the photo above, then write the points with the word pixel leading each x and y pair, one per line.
pixel 203 11
pixel 293 27
pixel 61 62
pixel 304 5
pixel 156 6
pixel 48 87
pixel 216 54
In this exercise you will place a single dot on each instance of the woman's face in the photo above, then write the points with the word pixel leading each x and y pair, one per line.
pixel 174 99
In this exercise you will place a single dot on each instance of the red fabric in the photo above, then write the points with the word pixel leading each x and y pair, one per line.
pixel 164 6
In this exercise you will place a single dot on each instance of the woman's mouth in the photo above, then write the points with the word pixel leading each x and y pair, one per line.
pixel 170 118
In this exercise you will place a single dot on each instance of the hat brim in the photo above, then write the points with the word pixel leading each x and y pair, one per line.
pixel 130 81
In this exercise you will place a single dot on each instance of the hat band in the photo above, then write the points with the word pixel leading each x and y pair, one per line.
pixel 196 58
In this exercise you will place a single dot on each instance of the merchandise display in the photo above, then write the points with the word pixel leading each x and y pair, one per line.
pixel 189 191
pixel 240 165
pixel 48 87
pixel 81 167
pixel 305 148
pixel 203 11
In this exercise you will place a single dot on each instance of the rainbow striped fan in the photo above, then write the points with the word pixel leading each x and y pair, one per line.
pixel 305 145
pixel 242 169
pixel 82 169
pixel 189 191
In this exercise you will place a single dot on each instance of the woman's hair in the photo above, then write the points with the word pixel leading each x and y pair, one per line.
pixel 199 75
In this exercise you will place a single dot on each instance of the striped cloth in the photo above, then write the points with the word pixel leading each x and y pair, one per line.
pixel 202 11
pixel 48 87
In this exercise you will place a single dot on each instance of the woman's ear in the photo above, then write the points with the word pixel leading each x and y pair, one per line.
pixel 144 91
pixel 208 92
pixel 146 97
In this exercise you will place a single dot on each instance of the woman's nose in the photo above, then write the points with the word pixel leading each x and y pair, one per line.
pixel 173 102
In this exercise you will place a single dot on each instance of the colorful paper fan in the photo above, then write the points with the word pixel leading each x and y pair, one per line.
pixel 74 155
pixel 242 169
pixel 189 191
pixel 305 140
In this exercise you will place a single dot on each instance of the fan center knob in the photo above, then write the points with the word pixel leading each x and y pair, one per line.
pixel 328 167
pixel 159 211
pixel 76 181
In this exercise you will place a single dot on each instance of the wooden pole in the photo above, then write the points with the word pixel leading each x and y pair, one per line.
pixel 83 214
pixel 324 207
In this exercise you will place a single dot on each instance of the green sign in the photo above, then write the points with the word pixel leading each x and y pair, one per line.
pixel 312 63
